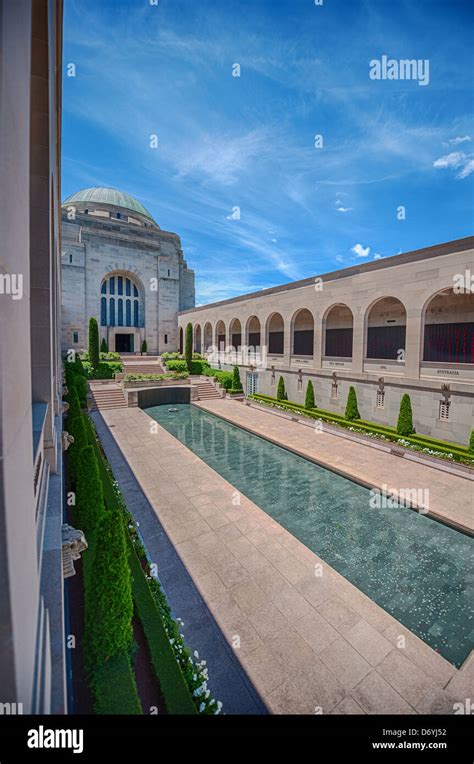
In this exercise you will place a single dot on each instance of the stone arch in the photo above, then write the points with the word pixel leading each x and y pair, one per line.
pixel 338 328
pixel 275 334
pixel 235 333
pixel 385 329
pixel 302 333
pixel 448 327
pixel 220 335
pixel 207 336
pixel 197 338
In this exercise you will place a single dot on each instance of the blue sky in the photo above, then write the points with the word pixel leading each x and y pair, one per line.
pixel 248 141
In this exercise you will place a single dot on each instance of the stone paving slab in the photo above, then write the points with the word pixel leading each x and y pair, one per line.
pixel 309 643
pixel 451 497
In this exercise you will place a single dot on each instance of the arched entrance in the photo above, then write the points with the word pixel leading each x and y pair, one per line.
pixel 122 312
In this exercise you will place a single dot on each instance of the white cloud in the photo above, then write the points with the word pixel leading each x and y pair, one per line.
pixel 450 160
pixel 459 139
pixel 360 251
pixel 456 160
pixel 344 209
pixel 467 169
pixel 377 256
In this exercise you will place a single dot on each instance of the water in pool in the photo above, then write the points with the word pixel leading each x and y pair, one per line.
pixel 417 569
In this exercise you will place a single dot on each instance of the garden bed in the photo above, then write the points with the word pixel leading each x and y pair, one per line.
pixel 431 447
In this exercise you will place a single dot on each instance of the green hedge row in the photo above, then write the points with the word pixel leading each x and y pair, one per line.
pixel 157 377
pixel 179 357
pixel 458 452
pixel 175 690
pixel 225 378
pixel 104 370
pixel 115 688
pixel 193 670
pixel 196 366
pixel 108 603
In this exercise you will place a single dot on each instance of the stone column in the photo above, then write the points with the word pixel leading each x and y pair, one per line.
pixel 413 343
pixel 358 343
pixel 287 339
pixel 318 341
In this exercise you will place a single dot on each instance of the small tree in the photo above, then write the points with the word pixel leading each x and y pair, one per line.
pixel 405 417
pixel 144 348
pixel 94 343
pixel 309 398
pixel 188 346
pixel 281 392
pixel 471 441
pixel 236 383
pixel 89 494
pixel 109 604
pixel 352 411
pixel 103 346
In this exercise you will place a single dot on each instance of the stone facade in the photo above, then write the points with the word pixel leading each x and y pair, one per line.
pixel 106 233
pixel 32 635
pixel 407 299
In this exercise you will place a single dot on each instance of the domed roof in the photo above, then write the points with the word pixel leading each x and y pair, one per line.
pixel 110 196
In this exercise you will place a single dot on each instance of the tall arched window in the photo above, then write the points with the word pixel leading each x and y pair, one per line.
pixel 121 303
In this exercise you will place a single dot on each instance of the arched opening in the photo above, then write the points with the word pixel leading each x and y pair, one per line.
pixel 236 334
pixel 253 333
pixel 386 329
pixel 449 327
pixel 207 337
pixel 276 334
pixel 338 332
pixel 303 333
pixel 220 335
pixel 181 343
pixel 122 311
pixel 197 338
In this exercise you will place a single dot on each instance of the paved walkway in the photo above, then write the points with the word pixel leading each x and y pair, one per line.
pixel 309 643
pixel 450 497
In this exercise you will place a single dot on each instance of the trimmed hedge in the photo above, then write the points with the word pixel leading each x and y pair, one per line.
pixel 115 688
pixel 105 369
pixel 171 375
pixel 77 429
pixel 103 346
pixel 196 367
pixel 471 441
pixel 175 356
pixel 81 387
pixel 72 398
pixel 225 378
pixel 144 348
pixel 90 506
pixel 108 601
pixel 192 673
pixel 389 433
pixel 175 691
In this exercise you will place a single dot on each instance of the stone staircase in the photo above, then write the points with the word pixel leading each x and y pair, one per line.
pixel 145 364
pixel 107 395
pixel 206 391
